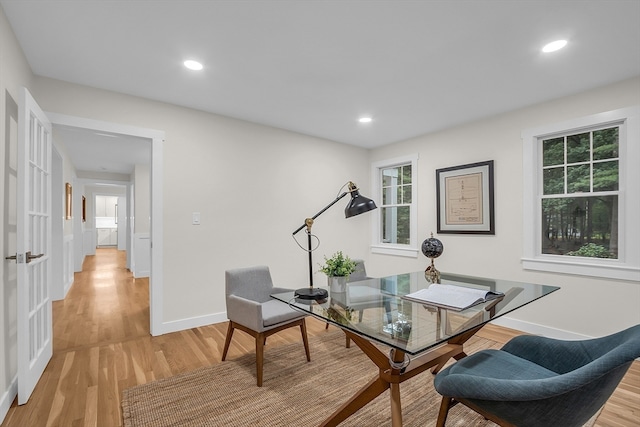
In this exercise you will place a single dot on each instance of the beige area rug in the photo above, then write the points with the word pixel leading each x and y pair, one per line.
pixel 295 392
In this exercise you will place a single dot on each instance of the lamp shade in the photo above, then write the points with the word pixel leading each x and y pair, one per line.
pixel 358 204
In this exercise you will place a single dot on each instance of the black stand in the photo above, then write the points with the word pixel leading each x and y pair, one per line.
pixel 312 293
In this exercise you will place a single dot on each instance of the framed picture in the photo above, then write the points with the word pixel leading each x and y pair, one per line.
pixel 465 199
pixel 68 195
pixel 84 209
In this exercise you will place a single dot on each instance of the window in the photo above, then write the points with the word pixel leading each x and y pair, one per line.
pixel 396 204
pixel 581 192
pixel 394 187
pixel 580 183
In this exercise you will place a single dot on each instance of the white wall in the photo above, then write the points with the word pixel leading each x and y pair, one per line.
pixel 584 305
pixel 253 185
pixel 72 249
pixel 142 202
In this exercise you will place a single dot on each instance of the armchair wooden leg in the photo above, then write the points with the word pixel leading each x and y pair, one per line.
pixel 347 342
pixel 305 340
pixel 260 338
pixel 227 340
pixel 444 411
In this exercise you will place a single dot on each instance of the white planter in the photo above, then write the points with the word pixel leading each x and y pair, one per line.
pixel 337 283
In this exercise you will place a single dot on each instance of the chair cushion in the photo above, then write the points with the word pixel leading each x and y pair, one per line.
pixel 275 312
pixel 498 364
pixel 471 376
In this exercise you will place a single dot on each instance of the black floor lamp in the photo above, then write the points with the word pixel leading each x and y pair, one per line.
pixel 357 205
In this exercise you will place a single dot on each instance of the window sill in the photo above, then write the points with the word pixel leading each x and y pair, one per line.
pixel 404 251
pixel 609 270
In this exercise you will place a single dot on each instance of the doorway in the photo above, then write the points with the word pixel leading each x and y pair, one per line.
pixel 106 221
pixel 155 138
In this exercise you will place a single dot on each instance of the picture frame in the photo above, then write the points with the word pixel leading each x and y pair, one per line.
pixel 465 199
pixel 84 209
pixel 68 197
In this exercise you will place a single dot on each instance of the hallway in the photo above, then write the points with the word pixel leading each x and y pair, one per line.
pixel 105 305
pixel 104 315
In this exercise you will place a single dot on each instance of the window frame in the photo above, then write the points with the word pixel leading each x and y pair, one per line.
pixel 377 246
pixel 627 266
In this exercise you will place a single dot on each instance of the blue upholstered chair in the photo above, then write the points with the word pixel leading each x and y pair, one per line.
pixel 251 309
pixel 539 382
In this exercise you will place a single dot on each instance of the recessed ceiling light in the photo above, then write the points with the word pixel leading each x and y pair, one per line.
pixel 553 46
pixel 364 119
pixel 193 65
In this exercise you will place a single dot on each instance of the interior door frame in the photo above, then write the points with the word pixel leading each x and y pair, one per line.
pixel 157 139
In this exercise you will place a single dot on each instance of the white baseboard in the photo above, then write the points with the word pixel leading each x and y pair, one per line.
pixel 67 286
pixel 141 274
pixel 8 397
pixel 535 329
pixel 193 322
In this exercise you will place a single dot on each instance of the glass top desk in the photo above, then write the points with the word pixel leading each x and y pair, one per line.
pixel 416 336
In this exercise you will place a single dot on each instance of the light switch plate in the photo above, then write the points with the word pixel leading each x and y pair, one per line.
pixel 195 218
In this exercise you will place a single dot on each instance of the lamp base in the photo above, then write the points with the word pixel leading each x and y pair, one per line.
pixel 312 293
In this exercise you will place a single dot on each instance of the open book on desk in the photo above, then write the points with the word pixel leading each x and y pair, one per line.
pixel 452 297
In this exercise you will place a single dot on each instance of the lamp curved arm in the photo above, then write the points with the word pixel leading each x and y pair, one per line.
pixel 358 205
pixel 309 221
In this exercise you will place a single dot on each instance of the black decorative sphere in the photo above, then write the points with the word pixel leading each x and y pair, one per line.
pixel 432 247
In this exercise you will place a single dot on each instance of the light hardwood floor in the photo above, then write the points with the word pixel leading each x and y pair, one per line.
pixel 102 346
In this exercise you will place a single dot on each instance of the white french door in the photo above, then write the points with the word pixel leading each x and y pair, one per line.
pixel 35 345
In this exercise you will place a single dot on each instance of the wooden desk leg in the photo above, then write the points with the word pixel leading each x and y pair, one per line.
pixel 388 377
pixel 370 391
pixel 460 339
pixel 396 405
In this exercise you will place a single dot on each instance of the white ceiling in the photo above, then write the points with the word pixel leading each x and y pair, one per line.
pixel 314 67
pixel 103 152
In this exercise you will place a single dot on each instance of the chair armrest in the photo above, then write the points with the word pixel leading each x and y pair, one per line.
pixel 245 312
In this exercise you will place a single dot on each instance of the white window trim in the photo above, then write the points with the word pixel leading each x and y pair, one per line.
pixel 627 266
pixel 410 250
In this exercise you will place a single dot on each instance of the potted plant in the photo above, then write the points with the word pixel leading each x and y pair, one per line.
pixel 338 268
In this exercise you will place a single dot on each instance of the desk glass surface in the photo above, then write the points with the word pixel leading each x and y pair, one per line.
pixel 374 309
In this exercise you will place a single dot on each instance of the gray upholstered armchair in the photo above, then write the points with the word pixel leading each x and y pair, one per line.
pixel 360 273
pixel 360 297
pixel 251 309
pixel 538 382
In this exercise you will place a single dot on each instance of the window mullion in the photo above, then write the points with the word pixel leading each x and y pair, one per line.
pixel 565 167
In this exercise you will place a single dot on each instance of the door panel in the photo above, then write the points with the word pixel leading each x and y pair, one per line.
pixel 35 345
